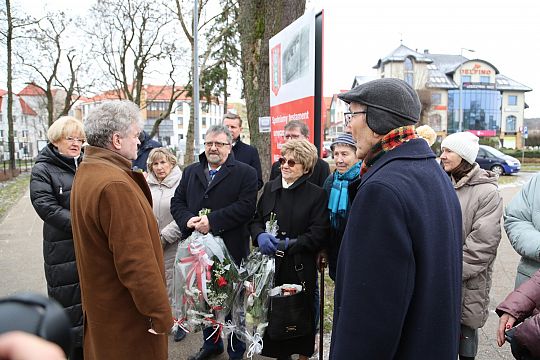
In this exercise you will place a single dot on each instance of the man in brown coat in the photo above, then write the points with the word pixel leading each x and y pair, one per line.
pixel 119 257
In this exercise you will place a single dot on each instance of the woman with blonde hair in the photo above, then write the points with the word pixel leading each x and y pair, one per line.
pixel 50 188
pixel 163 179
pixel 300 208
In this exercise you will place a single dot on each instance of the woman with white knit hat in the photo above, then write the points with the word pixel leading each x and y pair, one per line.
pixel 481 208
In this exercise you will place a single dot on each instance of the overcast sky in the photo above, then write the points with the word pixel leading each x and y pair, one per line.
pixel 359 33
pixel 504 33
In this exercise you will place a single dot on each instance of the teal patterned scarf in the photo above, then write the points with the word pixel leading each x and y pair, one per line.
pixel 338 203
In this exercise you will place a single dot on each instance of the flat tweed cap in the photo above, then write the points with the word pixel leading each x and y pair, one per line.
pixel 392 103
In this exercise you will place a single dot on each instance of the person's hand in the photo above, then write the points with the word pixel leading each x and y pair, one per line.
pixel 17 345
pixel 505 322
pixel 203 226
pixel 193 221
pixel 267 243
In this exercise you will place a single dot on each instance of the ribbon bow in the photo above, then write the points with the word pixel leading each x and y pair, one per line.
pixel 199 270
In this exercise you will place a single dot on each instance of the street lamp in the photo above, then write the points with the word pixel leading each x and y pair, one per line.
pixel 460 120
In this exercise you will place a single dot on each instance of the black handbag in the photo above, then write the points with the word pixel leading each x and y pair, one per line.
pixel 289 316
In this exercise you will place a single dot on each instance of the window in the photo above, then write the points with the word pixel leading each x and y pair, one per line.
pixel 435 99
pixel 205 107
pixel 1 133
pixel 180 121
pixel 511 123
pixel 435 122
pixel 409 72
pixel 203 120
pixel 512 99
pixel 484 79
pixel 465 79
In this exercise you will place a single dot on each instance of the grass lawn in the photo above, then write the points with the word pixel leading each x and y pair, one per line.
pixel 11 191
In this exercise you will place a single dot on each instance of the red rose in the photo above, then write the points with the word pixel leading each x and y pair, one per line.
pixel 221 281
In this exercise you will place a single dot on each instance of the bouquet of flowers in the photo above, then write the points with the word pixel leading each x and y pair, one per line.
pixel 252 300
pixel 205 277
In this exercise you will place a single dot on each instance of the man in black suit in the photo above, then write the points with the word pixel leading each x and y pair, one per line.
pixel 296 129
pixel 229 189
pixel 243 152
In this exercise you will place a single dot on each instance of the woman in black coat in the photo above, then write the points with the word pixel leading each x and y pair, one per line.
pixel 50 187
pixel 302 216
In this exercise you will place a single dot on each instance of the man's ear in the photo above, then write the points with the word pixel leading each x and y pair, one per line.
pixel 115 143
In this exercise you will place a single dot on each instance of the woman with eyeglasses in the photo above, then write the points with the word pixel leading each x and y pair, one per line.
pixel 300 208
pixel 163 179
pixel 50 187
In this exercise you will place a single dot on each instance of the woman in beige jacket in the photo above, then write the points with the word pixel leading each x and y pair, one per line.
pixel 163 179
pixel 481 208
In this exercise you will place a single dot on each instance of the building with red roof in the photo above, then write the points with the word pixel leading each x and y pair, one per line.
pixel 155 100
pixel 28 130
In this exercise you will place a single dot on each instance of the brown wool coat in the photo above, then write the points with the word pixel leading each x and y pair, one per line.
pixel 119 259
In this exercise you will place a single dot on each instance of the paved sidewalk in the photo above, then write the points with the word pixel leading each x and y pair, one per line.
pixel 21 267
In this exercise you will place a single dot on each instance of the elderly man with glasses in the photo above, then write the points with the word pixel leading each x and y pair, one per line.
pixel 296 129
pixel 229 189
pixel 398 278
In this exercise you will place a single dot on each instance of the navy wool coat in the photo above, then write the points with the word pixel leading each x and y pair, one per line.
pixel 231 197
pixel 249 155
pixel 398 284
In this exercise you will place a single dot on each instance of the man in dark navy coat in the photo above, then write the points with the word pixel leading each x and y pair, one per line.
pixel 398 282
pixel 229 189
pixel 243 152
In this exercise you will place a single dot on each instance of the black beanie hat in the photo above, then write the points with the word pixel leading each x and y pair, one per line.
pixel 392 103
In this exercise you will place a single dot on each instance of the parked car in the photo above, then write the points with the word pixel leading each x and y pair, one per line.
pixel 326 152
pixel 492 159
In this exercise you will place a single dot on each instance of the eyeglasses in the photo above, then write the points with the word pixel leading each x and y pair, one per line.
pixel 217 144
pixel 350 115
pixel 292 136
pixel 289 162
pixel 72 140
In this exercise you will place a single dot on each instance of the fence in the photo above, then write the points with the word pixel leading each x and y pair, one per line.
pixel 21 165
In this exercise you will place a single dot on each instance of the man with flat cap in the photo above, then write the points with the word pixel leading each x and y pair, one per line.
pixel 398 281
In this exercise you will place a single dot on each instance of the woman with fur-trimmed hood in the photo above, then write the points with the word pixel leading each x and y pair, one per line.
pixel 481 208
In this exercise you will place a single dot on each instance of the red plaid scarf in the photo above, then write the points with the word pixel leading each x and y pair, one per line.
pixel 390 141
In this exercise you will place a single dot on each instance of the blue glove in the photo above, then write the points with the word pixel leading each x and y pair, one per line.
pixel 267 243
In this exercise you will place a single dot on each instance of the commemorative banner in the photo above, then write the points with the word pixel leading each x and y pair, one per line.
pixel 294 79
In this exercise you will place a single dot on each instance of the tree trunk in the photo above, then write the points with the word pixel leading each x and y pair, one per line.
pixel 11 137
pixel 190 137
pixel 258 21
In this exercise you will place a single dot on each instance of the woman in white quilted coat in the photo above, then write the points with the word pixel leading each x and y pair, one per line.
pixel 163 178
pixel 481 208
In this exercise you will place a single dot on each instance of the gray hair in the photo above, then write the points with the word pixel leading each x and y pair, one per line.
pixel 109 118
pixel 297 124
pixel 220 129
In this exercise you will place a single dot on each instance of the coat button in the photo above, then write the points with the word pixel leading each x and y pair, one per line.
pixel 206 196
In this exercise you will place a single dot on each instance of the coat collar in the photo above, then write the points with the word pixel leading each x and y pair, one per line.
pixel 226 168
pixel 171 179
pixel 98 154
pixel 412 149
pixel 276 183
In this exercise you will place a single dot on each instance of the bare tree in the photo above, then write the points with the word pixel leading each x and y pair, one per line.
pixel 132 39
pixel 184 12
pixel 12 24
pixel 54 65
pixel 258 21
